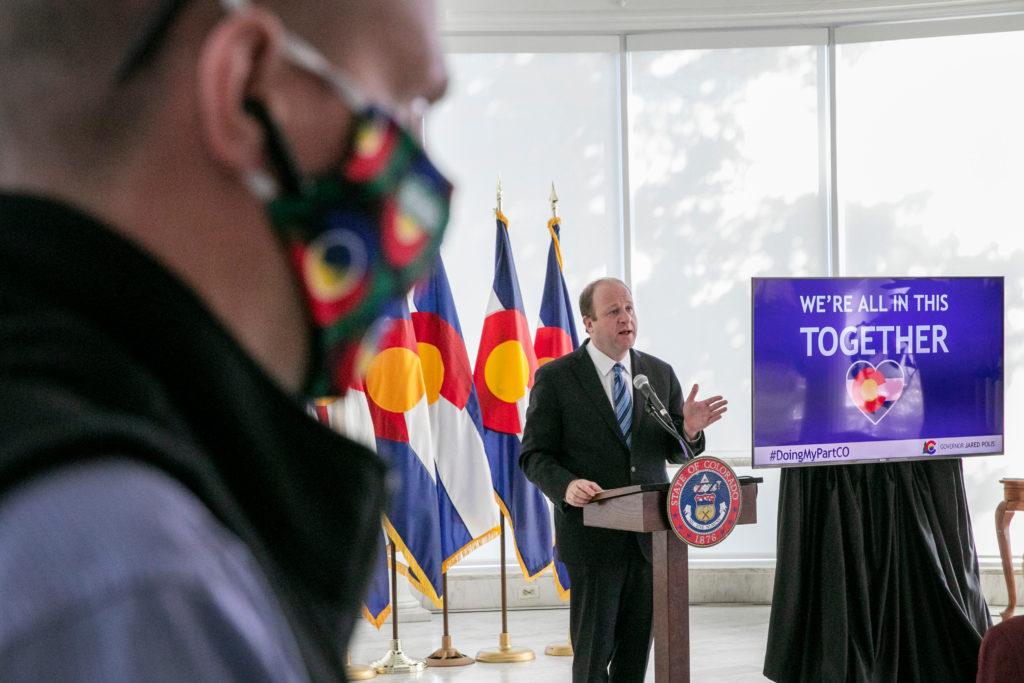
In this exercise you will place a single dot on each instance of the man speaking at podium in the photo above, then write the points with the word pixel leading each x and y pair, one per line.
pixel 586 432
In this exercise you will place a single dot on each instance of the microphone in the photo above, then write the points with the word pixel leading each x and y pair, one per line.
pixel 643 385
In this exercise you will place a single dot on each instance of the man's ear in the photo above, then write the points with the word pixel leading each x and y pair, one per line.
pixel 236 62
pixel 587 323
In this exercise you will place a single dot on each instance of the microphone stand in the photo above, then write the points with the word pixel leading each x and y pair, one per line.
pixel 668 427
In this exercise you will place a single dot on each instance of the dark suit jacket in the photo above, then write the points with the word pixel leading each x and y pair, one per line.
pixel 571 433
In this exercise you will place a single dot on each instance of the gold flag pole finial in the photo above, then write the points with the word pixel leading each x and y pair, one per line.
pixel 498 209
pixel 553 225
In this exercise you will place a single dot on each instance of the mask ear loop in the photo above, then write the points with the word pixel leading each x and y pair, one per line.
pixel 281 161
pixel 277 149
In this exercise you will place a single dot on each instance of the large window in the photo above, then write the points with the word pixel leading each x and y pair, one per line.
pixel 931 155
pixel 725 185
pixel 930 177
pixel 532 119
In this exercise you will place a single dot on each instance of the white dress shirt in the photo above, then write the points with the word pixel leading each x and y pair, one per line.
pixel 604 366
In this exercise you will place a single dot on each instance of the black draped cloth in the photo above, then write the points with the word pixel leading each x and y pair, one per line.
pixel 877 576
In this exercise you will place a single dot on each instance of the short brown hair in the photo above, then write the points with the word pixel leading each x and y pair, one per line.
pixel 587 295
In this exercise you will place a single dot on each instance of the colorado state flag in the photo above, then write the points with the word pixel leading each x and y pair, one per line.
pixel 397 397
pixel 556 336
pixel 468 513
pixel 351 416
pixel 377 605
pixel 505 364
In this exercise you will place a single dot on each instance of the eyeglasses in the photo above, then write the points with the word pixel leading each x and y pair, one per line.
pixel 148 45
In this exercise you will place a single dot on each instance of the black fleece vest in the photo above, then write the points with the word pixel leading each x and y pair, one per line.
pixel 103 353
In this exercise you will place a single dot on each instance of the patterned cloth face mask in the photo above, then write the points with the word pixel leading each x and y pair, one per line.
pixel 359 236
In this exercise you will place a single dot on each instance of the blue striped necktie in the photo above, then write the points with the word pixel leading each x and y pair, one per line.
pixel 623 403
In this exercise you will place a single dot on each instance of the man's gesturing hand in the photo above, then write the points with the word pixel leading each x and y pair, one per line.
pixel 580 491
pixel 699 414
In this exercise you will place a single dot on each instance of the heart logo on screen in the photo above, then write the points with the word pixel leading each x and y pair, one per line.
pixel 875 389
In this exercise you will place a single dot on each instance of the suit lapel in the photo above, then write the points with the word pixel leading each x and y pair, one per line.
pixel 586 374
pixel 639 368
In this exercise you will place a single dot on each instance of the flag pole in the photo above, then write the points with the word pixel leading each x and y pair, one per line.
pixel 447 655
pixel 396 661
pixel 505 652
pixel 559 649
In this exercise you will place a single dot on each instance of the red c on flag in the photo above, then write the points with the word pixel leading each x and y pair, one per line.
pixel 505 367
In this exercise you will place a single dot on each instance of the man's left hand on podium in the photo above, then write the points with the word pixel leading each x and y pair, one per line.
pixel 700 414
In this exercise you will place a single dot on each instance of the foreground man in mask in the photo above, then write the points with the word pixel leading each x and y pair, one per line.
pixel 203 207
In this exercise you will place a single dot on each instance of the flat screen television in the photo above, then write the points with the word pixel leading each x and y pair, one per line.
pixel 849 370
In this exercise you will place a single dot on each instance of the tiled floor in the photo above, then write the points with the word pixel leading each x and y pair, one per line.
pixel 727 644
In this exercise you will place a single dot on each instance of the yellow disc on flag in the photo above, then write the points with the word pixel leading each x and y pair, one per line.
pixel 395 380
pixel 507 371
pixel 869 390
pixel 433 370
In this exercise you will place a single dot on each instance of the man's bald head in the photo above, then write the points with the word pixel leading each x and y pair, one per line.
pixel 168 153
pixel 65 97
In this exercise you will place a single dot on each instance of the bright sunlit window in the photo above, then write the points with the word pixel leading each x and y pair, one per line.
pixel 724 175
pixel 931 171
pixel 505 116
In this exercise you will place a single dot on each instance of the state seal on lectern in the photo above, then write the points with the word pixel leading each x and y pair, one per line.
pixel 704 502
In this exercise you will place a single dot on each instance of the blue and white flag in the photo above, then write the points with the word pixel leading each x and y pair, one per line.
pixel 467 508
pixel 505 365
pixel 556 336
pixel 397 396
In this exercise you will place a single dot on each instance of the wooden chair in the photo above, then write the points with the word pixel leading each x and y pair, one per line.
pixel 1013 500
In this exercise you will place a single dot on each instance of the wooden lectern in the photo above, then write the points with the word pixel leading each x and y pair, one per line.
pixel 642 508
